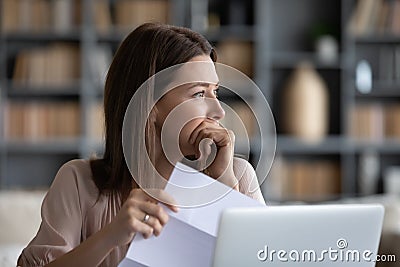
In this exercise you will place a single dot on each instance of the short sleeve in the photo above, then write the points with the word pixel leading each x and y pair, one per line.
pixel 248 182
pixel 60 229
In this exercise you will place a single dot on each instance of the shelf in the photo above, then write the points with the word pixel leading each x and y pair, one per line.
pixel 73 36
pixel 335 145
pixel 112 36
pixel 289 60
pixel 378 40
pixel 236 32
pixel 281 38
pixel 68 146
pixel 382 89
pixel 388 146
pixel 379 93
pixel 329 145
pixel 72 90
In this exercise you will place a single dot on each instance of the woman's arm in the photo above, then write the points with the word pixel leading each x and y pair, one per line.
pixel 89 253
pixel 58 240
pixel 121 230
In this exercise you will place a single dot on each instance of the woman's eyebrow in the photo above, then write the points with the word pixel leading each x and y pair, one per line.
pixel 202 84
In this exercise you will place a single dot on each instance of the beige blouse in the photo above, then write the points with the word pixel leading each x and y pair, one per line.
pixel 70 213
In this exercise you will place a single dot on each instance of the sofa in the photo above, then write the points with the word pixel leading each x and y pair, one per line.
pixel 19 222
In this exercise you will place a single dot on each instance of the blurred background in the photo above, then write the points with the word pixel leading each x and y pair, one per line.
pixel 330 71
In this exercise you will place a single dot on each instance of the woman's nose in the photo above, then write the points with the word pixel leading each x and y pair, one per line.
pixel 215 110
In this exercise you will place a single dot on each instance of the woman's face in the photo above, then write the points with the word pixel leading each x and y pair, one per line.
pixel 186 107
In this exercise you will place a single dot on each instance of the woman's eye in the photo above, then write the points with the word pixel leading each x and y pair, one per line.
pixel 199 94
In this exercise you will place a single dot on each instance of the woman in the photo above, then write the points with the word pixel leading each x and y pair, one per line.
pixel 94 208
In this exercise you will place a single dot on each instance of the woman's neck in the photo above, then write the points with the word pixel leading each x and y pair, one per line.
pixel 163 166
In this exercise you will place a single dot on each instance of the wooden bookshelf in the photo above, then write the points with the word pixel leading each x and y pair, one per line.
pixel 286 41
pixel 275 35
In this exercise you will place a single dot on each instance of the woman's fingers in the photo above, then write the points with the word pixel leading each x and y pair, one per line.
pixel 208 129
pixel 137 212
pixel 132 219
pixel 159 195
pixel 220 137
pixel 139 226
pixel 195 133
pixel 155 211
pixel 155 224
pixel 140 204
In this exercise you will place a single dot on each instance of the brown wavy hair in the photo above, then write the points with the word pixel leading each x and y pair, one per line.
pixel 147 50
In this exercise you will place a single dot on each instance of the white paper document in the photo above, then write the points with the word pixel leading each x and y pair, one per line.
pixel 188 238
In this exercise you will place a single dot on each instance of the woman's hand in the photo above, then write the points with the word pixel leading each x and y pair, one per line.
pixel 222 166
pixel 130 219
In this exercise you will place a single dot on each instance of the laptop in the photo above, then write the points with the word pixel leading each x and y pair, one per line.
pixel 309 235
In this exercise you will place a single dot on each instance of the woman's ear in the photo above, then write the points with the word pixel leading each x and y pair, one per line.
pixel 151 133
pixel 153 118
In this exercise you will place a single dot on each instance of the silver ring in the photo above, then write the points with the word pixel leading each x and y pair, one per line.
pixel 146 218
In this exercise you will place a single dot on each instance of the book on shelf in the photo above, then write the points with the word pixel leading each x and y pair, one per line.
pixel 131 13
pixel 367 122
pixel 383 14
pixel 39 15
pixel 392 121
pixel 302 180
pixel 37 68
pixel 374 122
pixel 55 65
pixel 34 15
pixel 389 64
pixel 363 17
pixel 313 180
pixel 375 16
pixel 237 54
pixel 395 22
pixel 102 16
pixel 38 121
pixel 9 16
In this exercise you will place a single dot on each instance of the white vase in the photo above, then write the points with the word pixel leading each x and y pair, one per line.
pixel 305 104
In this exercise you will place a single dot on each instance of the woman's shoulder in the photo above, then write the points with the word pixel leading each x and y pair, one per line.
pixel 76 175
pixel 77 170
pixel 240 165
pixel 80 167
pixel 248 181
pixel 243 171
